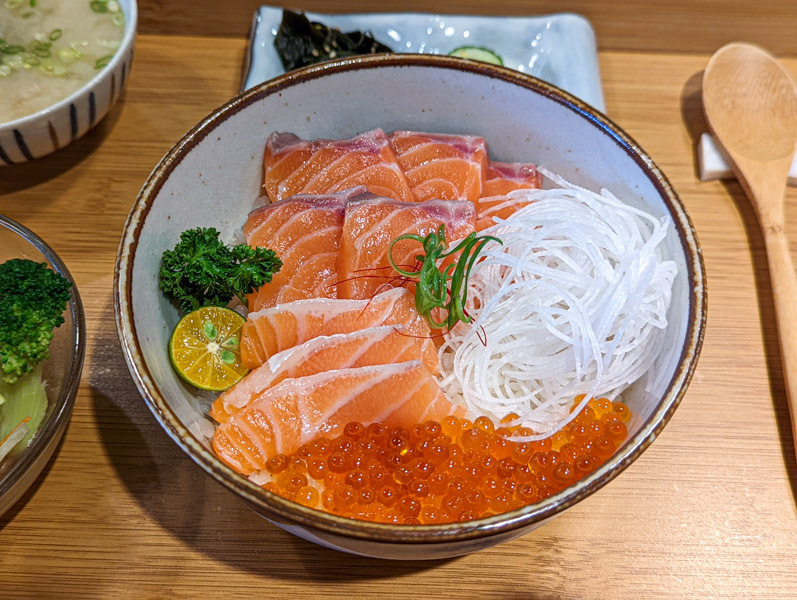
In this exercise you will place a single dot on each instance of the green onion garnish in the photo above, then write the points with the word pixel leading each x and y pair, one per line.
pixel 447 288
pixel 55 34
pixel 32 61
pixel 33 3
pixel 101 62
pixel 99 6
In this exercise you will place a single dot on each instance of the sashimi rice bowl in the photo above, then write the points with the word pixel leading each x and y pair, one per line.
pixel 403 324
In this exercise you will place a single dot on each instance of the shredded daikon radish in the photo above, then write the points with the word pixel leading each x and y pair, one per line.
pixel 574 302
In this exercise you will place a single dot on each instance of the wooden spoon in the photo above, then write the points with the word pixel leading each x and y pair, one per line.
pixel 750 101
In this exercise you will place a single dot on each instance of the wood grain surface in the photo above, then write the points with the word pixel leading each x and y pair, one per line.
pixel 665 25
pixel 707 511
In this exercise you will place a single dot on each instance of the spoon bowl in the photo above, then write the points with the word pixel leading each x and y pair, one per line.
pixel 750 101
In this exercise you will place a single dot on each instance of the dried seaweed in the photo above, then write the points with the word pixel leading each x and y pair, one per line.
pixel 301 42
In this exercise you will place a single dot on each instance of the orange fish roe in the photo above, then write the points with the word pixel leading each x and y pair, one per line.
pixel 454 470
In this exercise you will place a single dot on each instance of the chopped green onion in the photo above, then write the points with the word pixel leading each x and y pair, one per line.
pixel 118 19
pixel 113 6
pixel 432 290
pixel 41 53
pixel 66 56
pixel 56 34
pixel 101 62
pixel 99 6
pixel 27 15
pixel 33 3
pixel 12 49
pixel 32 61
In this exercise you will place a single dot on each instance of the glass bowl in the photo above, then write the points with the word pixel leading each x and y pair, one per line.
pixel 61 371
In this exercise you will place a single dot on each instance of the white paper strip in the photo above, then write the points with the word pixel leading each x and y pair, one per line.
pixel 713 165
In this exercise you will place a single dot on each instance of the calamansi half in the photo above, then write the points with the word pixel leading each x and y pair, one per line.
pixel 205 348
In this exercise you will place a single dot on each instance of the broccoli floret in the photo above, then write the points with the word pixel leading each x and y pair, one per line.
pixel 202 271
pixel 32 301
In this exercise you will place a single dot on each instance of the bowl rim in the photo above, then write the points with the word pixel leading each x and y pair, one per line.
pixel 128 39
pixel 63 405
pixel 279 508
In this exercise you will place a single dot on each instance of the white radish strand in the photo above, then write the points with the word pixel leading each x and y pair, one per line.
pixel 574 302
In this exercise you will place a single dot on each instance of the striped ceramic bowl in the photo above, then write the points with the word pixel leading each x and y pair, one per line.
pixel 56 126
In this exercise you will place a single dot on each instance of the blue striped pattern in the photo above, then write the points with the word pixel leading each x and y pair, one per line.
pixel 22 145
pixel 4 156
pixel 92 109
pixel 74 120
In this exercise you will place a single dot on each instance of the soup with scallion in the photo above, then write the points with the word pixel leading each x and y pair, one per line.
pixel 51 48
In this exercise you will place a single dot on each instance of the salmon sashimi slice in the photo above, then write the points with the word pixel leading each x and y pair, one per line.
pixel 295 166
pixel 304 231
pixel 503 179
pixel 372 224
pixel 441 167
pixel 272 330
pixel 372 346
pixel 295 411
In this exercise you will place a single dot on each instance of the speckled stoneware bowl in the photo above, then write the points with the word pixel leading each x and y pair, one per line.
pixel 213 175
pixel 61 371
pixel 56 126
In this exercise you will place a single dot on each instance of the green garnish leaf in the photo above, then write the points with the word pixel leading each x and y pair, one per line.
pixel 99 6
pixel 438 286
pixel 202 271
pixel 56 34
pixel 101 62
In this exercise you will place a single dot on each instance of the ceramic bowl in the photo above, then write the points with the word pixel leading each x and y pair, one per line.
pixel 61 371
pixel 56 126
pixel 213 175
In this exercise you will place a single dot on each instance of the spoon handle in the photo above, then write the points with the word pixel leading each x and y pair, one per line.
pixel 784 292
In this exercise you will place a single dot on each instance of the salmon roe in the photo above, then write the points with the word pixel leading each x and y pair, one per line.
pixel 442 472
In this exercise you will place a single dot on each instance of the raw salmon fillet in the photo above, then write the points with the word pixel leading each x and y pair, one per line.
pixel 501 180
pixel 272 330
pixel 304 231
pixel 292 413
pixel 295 166
pixel 372 346
pixel 441 167
pixel 373 223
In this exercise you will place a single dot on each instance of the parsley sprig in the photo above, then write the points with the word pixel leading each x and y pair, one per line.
pixel 202 271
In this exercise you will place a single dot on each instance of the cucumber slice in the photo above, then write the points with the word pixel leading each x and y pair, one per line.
pixel 478 53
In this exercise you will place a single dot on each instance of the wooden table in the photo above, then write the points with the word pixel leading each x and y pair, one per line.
pixel 707 511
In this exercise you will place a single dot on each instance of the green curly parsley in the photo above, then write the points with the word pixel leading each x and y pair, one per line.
pixel 202 271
